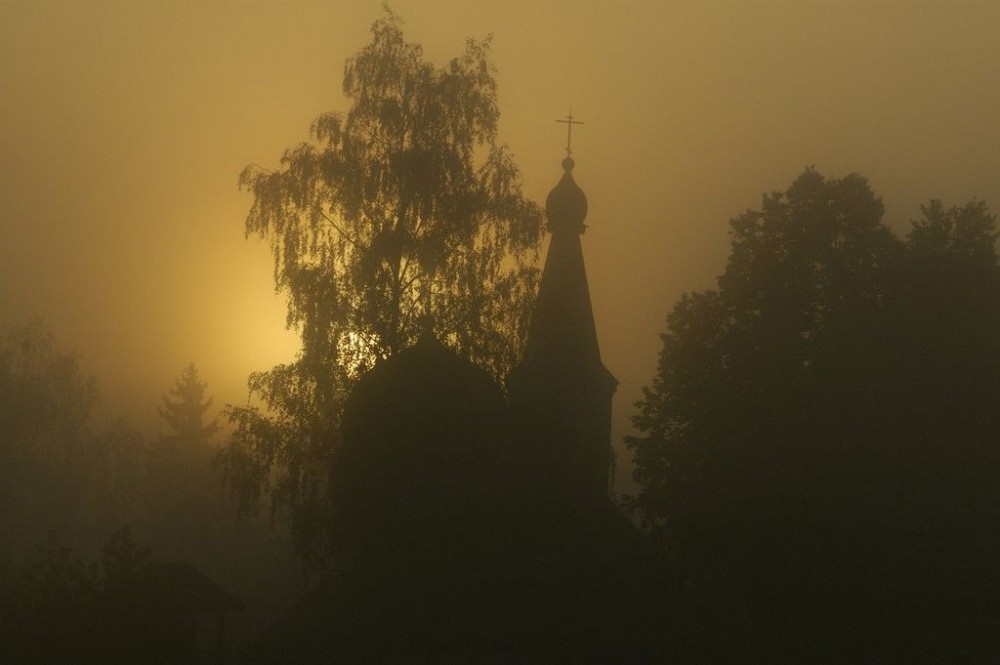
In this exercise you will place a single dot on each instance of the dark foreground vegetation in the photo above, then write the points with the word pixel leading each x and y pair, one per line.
pixel 108 537
pixel 816 456
pixel 818 449
pixel 816 462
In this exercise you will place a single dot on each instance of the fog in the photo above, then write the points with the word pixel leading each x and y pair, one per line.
pixel 124 127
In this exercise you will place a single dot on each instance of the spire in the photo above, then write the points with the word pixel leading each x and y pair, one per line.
pixel 561 378
pixel 566 205
pixel 562 329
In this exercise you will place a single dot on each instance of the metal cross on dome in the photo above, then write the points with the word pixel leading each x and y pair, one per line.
pixel 569 122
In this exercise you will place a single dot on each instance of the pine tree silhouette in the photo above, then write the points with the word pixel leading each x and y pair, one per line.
pixel 184 410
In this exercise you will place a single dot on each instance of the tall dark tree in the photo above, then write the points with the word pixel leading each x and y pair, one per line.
pixel 404 210
pixel 818 446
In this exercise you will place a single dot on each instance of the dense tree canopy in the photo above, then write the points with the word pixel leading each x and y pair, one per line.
pixel 403 212
pixel 819 443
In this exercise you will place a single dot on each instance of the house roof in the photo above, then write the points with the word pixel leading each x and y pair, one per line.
pixel 179 586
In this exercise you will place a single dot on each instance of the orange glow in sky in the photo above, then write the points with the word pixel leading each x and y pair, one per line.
pixel 125 125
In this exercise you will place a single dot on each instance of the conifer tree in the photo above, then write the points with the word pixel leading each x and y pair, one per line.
pixel 184 410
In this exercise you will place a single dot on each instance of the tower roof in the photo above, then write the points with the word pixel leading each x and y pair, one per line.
pixel 563 338
pixel 566 205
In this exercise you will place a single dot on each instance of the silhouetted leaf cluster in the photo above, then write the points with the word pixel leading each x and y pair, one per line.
pixel 818 448
pixel 403 210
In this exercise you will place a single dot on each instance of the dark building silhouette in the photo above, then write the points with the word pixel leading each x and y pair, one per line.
pixel 155 612
pixel 477 529
pixel 561 384
pixel 181 603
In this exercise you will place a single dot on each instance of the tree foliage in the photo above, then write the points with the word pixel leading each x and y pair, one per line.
pixel 819 438
pixel 56 472
pixel 58 609
pixel 185 407
pixel 45 399
pixel 403 210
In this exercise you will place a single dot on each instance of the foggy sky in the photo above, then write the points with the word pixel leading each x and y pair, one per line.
pixel 124 126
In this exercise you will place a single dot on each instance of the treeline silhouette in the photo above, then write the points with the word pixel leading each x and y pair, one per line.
pixel 77 496
pixel 818 451
pixel 816 461
pixel 126 608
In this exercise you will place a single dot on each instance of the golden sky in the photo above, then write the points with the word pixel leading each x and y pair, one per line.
pixel 124 126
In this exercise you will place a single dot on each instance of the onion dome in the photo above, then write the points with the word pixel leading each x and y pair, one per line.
pixel 566 205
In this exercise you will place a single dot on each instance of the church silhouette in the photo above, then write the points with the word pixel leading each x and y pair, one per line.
pixel 481 528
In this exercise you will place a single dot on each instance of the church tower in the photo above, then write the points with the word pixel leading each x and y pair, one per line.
pixel 561 382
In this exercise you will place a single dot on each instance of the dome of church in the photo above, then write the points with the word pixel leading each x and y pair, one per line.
pixel 566 205
pixel 423 444
pixel 424 388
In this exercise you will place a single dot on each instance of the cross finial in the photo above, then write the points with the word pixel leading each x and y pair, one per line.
pixel 569 122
